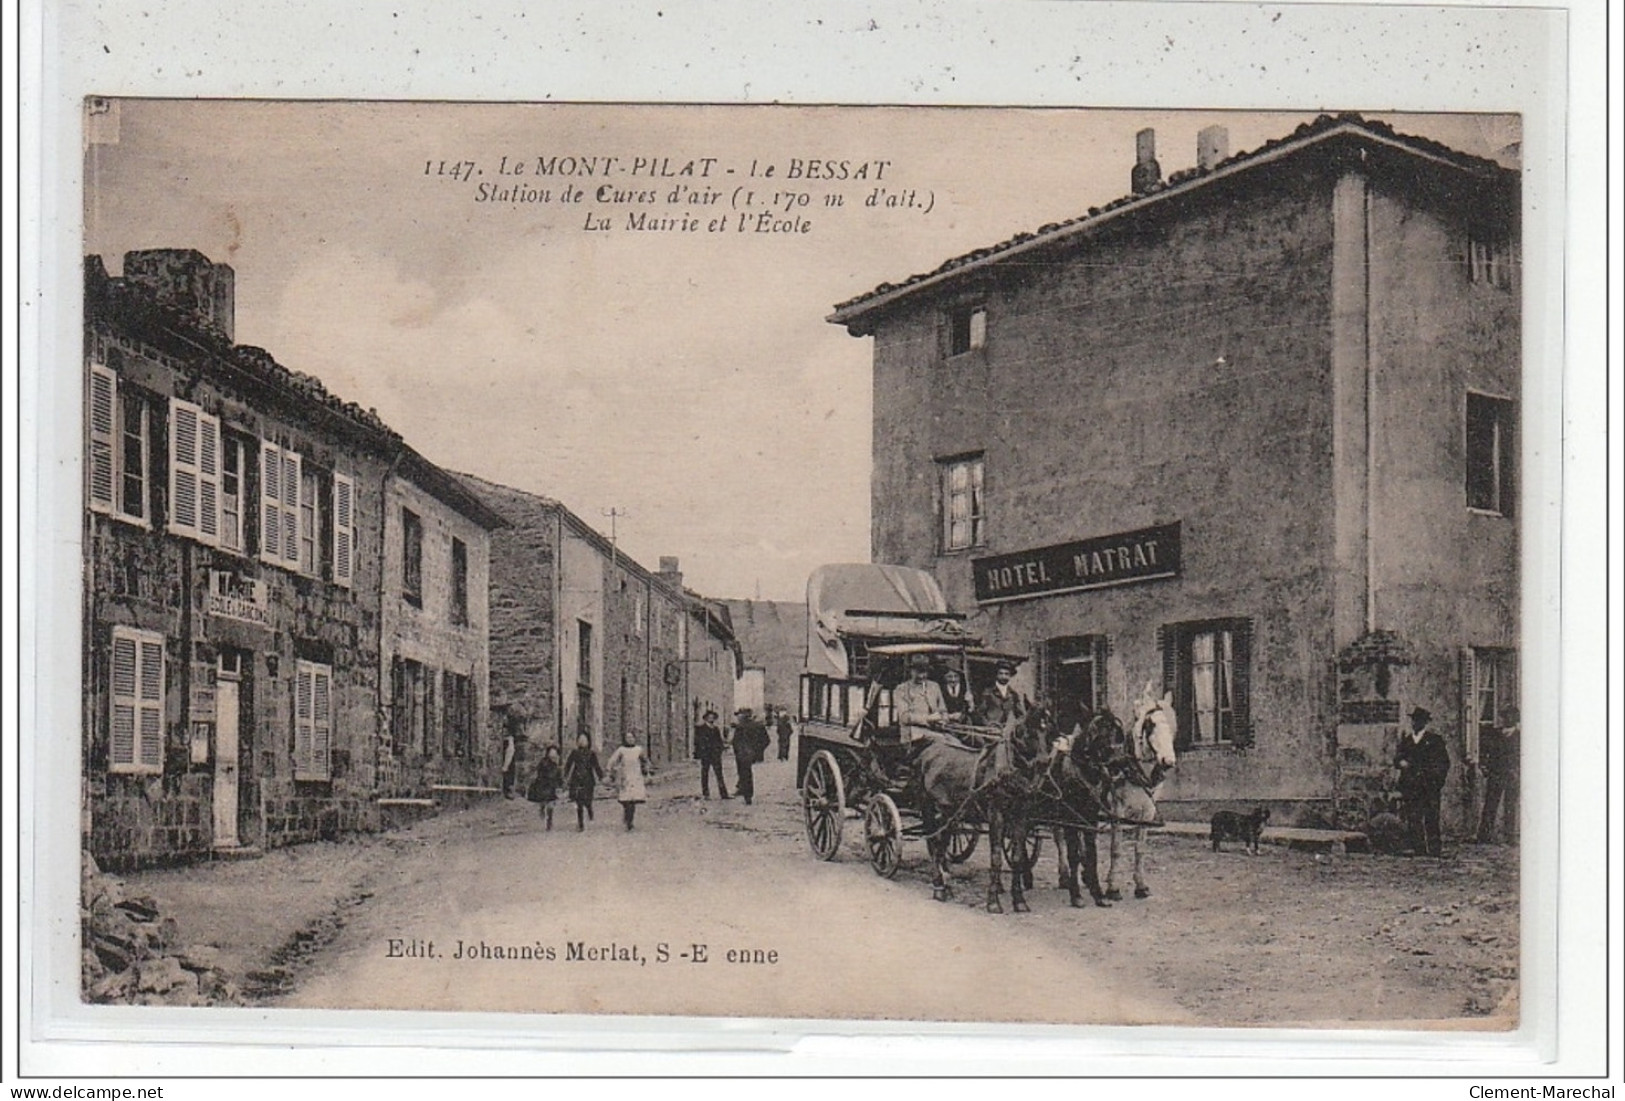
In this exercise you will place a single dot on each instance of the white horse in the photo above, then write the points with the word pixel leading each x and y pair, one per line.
pixel 1133 801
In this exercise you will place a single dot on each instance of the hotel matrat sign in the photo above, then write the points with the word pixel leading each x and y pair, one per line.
pixel 1120 559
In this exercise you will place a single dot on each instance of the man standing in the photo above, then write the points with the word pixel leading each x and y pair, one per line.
pixel 708 751
pixel 1498 752
pixel 1001 705
pixel 1423 763
pixel 784 731
pixel 750 743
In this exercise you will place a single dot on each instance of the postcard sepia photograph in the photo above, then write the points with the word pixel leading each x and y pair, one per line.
pixel 557 558
pixel 691 560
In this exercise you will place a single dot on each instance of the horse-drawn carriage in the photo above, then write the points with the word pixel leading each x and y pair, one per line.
pixel 871 630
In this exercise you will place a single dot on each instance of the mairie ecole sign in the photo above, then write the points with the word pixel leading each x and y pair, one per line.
pixel 1086 564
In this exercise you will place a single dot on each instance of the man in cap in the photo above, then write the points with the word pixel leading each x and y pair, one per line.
pixel 1001 704
pixel 918 702
pixel 1423 762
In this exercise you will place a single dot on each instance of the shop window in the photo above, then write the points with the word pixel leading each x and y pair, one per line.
pixel 963 519
pixel 1207 665
pixel 1490 454
pixel 136 702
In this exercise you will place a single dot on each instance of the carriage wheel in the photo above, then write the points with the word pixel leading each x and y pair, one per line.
pixel 883 835
pixel 1021 853
pixel 962 842
pixel 823 804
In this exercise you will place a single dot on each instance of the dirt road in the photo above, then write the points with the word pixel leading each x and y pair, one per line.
pixel 1284 937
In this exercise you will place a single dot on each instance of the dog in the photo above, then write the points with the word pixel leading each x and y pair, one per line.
pixel 1246 828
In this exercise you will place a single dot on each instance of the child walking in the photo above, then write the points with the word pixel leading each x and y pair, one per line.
pixel 544 790
pixel 581 775
pixel 627 765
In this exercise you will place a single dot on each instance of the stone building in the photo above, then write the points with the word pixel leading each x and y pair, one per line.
pixel 774 634
pixel 435 636
pixel 1248 434
pixel 232 599
pixel 584 640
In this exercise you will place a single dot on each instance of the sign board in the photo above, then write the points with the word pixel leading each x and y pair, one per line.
pixel 1369 712
pixel 1098 563
pixel 233 596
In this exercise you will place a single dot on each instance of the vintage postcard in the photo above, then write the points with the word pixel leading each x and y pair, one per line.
pixel 933 564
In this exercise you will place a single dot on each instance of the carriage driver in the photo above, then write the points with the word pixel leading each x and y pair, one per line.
pixel 918 701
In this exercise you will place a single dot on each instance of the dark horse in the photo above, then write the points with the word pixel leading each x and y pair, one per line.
pixel 1072 796
pixel 991 784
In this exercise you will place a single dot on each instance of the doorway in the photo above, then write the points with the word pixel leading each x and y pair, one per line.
pixel 227 749
pixel 1074 674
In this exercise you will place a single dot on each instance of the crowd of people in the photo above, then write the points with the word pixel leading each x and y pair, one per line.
pixel 627 769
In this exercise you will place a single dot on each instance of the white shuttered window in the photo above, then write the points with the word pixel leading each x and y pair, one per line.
pixel 313 722
pixel 343 530
pixel 101 420
pixel 194 472
pixel 279 505
pixel 136 702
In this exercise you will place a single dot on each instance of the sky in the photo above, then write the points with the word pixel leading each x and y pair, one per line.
pixel 684 379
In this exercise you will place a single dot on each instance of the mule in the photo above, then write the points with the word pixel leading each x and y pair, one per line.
pixel 957 783
pixel 1137 774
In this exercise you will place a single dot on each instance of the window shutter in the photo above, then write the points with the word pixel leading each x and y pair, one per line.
pixel 183 467
pixel 1168 639
pixel 271 502
pixel 151 755
pixel 291 514
pixel 208 479
pixel 100 418
pixel 1044 676
pixel 343 530
pixel 1468 682
pixel 321 737
pixel 304 692
pixel 1241 683
pixel 1102 651
pixel 121 751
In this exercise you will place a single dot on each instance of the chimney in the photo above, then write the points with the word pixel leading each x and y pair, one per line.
pixel 1212 146
pixel 669 572
pixel 1147 172
pixel 185 279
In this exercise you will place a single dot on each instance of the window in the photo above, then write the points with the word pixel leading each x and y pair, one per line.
pixel 1489 259
pixel 458 730
pixel 136 702
pixel 232 455
pixel 280 490
pixel 584 688
pixel 963 516
pixel 194 472
pixel 1490 454
pixel 967 329
pixel 1208 667
pixel 1489 686
pixel 134 455
pixel 313 721
pixel 411 557
pixel 459 582
pixel 310 497
pixel 407 717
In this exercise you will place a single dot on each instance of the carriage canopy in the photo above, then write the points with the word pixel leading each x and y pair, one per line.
pixel 878 604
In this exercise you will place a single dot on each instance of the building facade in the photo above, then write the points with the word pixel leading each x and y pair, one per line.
pixel 435 636
pixel 585 641
pixel 1247 436
pixel 234 575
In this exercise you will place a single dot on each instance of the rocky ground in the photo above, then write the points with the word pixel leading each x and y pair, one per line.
pixel 1284 937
